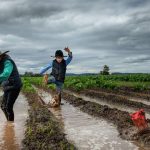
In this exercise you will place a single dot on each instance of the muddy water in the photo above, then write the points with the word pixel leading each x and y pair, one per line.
pixel 11 134
pixel 103 102
pixel 85 131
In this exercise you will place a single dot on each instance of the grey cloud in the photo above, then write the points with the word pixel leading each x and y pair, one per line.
pixel 27 10
pixel 99 32
pixel 137 59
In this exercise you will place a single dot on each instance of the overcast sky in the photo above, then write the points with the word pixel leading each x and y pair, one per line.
pixel 99 32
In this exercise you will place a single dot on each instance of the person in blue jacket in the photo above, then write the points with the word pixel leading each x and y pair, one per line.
pixel 11 84
pixel 58 65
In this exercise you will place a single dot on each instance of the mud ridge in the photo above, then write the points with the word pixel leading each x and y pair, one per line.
pixel 143 95
pixel 43 131
pixel 113 98
pixel 120 118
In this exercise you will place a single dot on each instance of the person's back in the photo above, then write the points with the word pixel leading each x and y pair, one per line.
pixel 11 82
pixel 14 80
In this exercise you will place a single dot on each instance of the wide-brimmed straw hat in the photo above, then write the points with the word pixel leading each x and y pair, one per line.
pixel 3 53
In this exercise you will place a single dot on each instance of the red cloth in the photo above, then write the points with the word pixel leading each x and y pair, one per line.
pixel 139 119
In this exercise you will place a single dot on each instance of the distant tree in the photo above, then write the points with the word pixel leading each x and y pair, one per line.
pixel 105 70
pixel 31 74
pixel 28 74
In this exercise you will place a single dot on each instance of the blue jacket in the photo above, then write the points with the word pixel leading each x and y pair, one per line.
pixel 68 60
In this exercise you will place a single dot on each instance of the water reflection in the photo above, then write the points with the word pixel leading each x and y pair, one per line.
pixel 12 134
pixel 9 139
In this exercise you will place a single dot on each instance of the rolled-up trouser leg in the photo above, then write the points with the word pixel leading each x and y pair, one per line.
pixel 9 103
pixel 57 83
pixel 51 80
pixel 59 86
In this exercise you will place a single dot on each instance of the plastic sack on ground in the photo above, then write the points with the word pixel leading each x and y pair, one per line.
pixel 139 119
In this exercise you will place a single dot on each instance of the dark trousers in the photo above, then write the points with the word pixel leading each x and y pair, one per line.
pixel 8 101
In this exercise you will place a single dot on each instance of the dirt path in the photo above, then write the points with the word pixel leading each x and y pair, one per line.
pixel 85 131
pixel 12 134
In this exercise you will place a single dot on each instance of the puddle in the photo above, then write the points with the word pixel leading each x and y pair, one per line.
pixel 103 102
pixel 12 134
pixel 85 131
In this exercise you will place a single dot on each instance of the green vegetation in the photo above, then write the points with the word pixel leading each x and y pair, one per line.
pixel 27 86
pixel 137 82
pixel 128 77
pixel 28 81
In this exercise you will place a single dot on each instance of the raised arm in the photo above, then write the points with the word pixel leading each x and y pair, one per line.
pixel 69 59
pixel 44 69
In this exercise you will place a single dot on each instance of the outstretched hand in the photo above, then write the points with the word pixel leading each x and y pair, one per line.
pixel 67 49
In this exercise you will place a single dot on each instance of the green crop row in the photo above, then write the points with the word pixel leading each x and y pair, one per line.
pixel 27 86
pixel 86 82
pixel 29 81
pixel 127 77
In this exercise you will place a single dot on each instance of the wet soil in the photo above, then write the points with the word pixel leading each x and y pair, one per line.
pixel 85 131
pixel 113 101
pixel 112 98
pixel 43 130
pixel 145 95
pixel 120 119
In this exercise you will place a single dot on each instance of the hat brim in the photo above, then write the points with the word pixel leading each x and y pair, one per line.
pixel 56 56
pixel 4 53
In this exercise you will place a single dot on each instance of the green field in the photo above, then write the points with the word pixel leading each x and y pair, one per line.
pixel 138 82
